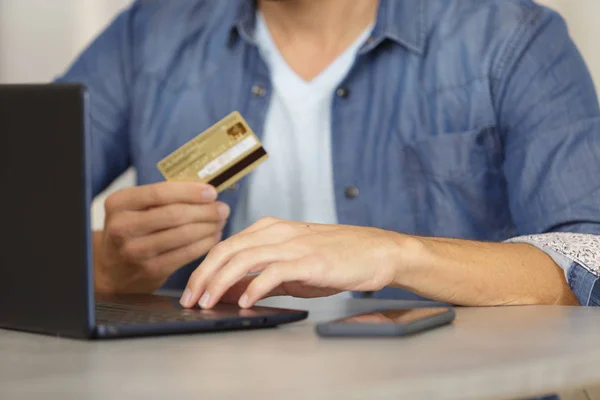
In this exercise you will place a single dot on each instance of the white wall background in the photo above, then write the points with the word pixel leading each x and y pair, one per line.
pixel 39 38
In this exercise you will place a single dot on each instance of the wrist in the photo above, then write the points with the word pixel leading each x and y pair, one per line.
pixel 406 253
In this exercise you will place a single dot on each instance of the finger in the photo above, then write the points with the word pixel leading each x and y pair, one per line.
pixel 169 262
pixel 271 234
pixel 273 277
pixel 232 296
pixel 140 223
pixel 160 194
pixel 210 289
pixel 146 247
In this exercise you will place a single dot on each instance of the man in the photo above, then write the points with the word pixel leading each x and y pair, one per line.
pixel 416 143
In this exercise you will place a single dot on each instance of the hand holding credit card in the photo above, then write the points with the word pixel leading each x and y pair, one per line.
pixel 219 156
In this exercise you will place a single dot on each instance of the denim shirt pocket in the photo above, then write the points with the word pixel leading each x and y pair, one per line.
pixel 457 156
pixel 458 185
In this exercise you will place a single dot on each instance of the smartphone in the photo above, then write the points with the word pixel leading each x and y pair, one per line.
pixel 394 322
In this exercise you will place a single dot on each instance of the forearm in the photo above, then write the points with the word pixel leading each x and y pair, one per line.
pixel 483 274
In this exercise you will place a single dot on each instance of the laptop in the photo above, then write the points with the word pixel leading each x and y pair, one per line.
pixel 46 271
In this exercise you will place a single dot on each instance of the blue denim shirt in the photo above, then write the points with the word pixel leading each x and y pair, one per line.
pixel 472 119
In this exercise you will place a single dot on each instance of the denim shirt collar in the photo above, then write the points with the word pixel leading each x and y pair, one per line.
pixel 401 21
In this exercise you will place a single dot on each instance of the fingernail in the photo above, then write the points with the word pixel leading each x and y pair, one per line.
pixel 219 236
pixel 185 299
pixel 209 194
pixel 222 224
pixel 243 302
pixel 204 300
pixel 223 210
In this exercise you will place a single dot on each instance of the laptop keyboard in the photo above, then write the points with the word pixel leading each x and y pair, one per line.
pixel 123 314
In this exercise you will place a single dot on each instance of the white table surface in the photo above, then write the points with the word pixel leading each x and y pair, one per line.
pixel 511 352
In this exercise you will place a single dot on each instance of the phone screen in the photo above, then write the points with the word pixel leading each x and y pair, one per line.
pixel 392 316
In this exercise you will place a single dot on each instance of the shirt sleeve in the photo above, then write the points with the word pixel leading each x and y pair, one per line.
pixel 105 68
pixel 578 254
pixel 549 122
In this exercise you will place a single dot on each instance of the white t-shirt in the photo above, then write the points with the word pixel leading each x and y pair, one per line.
pixel 296 182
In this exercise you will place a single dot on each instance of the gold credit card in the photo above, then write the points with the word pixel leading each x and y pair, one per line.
pixel 219 156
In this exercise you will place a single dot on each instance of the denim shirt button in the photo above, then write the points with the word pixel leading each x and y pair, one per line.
pixel 342 92
pixel 351 192
pixel 259 90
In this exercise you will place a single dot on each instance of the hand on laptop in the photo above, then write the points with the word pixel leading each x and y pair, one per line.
pixel 312 260
pixel 151 231
pixel 296 259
